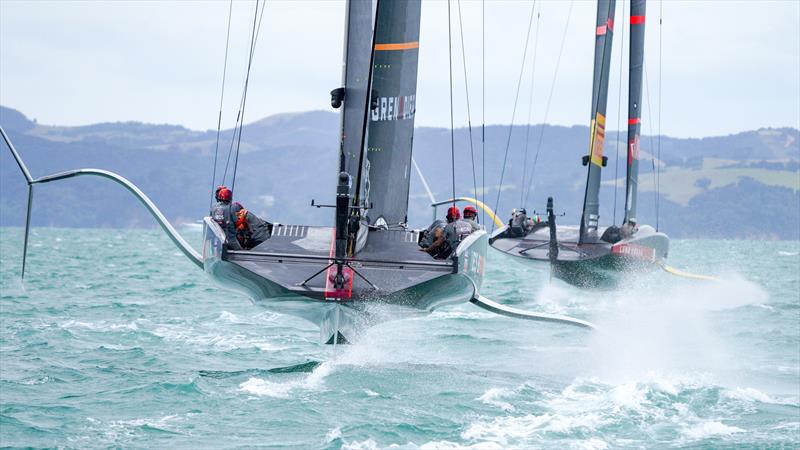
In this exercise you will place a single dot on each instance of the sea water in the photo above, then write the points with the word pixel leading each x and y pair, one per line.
pixel 115 339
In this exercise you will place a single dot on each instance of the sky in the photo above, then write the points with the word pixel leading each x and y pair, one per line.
pixel 724 66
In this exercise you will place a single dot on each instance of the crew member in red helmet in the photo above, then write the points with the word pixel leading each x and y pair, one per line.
pixel 471 217
pixel 223 214
pixel 454 232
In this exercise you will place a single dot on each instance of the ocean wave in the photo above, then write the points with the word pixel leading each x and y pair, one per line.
pixel 368 444
pixel 448 445
pixel 517 430
pixel 122 431
pixel 222 341
pixel 587 407
pixel 494 397
pixel 708 429
pixel 284 389
pixel 754 395
pixel 333 434
pixel 40 380
pixel 100 326
pixel 260 318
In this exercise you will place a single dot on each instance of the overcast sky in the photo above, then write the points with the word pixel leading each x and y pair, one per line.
pixel 728 66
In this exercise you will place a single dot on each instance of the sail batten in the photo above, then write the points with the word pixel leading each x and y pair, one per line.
pixel 595 160
pixel 634 107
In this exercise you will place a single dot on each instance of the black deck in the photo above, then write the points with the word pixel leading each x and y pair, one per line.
pixel 589 264
pixel 390 260
pixel 536 244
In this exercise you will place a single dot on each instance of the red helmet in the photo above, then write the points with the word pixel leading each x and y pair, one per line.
pixel 453 213
pixel 224 194
pixel 470 211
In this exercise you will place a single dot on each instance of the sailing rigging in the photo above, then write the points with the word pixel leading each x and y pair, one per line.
pixel 590 255
pixel 366 268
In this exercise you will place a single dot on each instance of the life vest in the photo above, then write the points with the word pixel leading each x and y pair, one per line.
pixel 243 232
pixel 463 229
pixel 457 231
pixel 221 214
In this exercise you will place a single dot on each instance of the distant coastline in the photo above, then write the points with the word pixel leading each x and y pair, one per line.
pixel 741 186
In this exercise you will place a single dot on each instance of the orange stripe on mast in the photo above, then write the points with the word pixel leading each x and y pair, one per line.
pixel 398 46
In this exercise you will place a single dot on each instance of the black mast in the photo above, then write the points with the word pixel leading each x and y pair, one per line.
pixel 634 107
pixel 390 135
pixel 595 159
pixel 356 73
pixel 359 24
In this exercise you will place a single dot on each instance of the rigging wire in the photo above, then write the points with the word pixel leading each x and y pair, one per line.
pixel 240 115
pixel 466 92
pixel 531 179
pixel 256 28
pixel 650 125
pixel 619 110
pixel 530 106
pixel 514 111
pixel 221 97
pixel 483 107
pixel 658 173
pixel 450 65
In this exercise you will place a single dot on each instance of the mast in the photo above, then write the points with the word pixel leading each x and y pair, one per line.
pixel 634 104
pixel 359 24
pixel 595 159
pixel 390 134
pixel 356 74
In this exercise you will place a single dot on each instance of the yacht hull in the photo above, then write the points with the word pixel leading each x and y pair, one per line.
pixel 390 289
pixel 594 264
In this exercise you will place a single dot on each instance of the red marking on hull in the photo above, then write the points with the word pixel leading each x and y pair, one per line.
pixel 331 292
pixel 635 251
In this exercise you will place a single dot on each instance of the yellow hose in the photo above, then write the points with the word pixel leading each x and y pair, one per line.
pixel 694 276
pixel 482 206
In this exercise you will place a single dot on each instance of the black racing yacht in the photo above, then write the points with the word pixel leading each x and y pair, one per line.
pixel 367 268
pixel 589 255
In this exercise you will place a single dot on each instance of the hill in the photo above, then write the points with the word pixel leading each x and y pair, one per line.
pixel 710 187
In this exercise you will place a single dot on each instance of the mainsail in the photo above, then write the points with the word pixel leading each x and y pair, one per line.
pixel 391 119
pixel 634 106
pixel 595 159
pixel 360 21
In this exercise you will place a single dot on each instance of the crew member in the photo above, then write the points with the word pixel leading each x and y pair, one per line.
pixel 427 237
pixel 471 217
pixel 434 242
pixel 225 216
pixel 454 232
pixel 519 225
pixel 251 230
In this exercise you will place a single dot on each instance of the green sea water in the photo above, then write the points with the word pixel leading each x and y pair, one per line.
pixel 115 339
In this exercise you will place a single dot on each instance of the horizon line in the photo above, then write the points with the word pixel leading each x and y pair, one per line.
pixel 288 113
